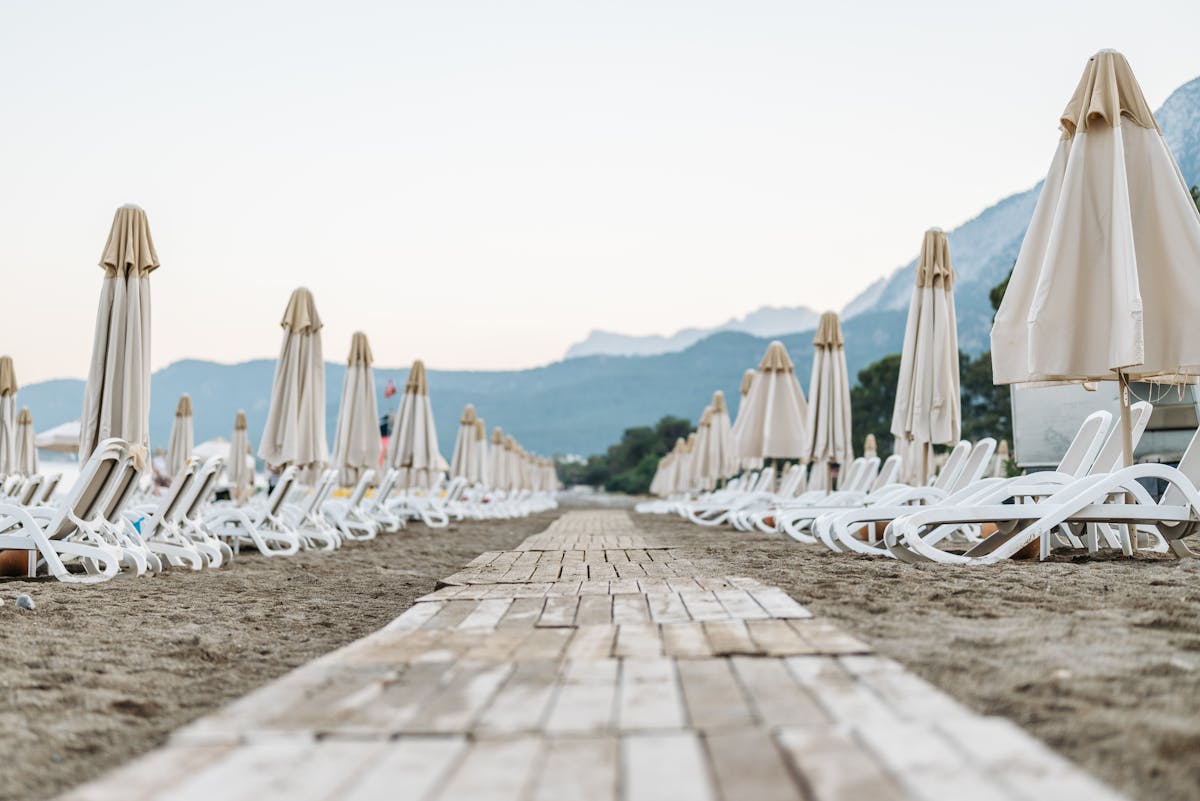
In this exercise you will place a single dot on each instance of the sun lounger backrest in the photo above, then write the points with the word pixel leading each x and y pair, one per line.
pixel 123 487
pixel 360 489
pixel 888 473
pixel 1189 465
pixel 168 509
pixel 953 466
pixel 30 490
pixel 790 481
pixel 203 487
pixel 766 480
pixel 10 485
pixel 328 485
pixel 48 488
pixel 282 487
pixel 866 475
pixel 320 492
pixel 90 488
pixel 850 473
pixel 390 477
pixel 1112 453
pixel 1081 453
pixel 976 465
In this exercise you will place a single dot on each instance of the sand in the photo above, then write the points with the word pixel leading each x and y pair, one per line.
pixel 1099 659
pixel 98 674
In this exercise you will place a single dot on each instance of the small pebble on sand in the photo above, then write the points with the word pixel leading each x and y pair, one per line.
pixel 24 602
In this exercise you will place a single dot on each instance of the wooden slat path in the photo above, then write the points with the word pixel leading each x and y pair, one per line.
pixel 593 663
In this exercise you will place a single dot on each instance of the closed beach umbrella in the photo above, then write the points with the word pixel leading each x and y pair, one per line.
pixel 27 458
pixel 740 422
pixel 179 448
pixel 928 404
pixel 829 426
pixel 464 444
pixel 239 468
pixel 705 475
pixel 512 465
pixel 775 412
pixel 870 449
pixel 498 460
pixel 294 433
pixel 1105 286
pixel 356 439
pixel 720 443
pixel 116 399
pixel 8 416
pixel 480 458
pixel 63 438
pixel 413 449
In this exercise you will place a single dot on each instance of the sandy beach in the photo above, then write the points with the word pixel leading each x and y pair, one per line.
pixel 1099 659
pixel 98 674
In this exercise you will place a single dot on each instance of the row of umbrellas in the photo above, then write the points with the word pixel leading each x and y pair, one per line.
pixel 1106 287
pixel 18 453
pixel 294 433
pixel 775 421
pixel 117 396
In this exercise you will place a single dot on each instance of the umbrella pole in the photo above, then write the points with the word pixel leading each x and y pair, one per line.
pixel 1129 545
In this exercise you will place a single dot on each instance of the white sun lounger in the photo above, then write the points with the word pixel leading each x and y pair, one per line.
pixel 348 515
pixel 1016 503
pixel 260 525
pixel 45 533
pixel 836 530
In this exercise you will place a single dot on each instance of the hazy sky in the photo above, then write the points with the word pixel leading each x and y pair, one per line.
pixel 482 183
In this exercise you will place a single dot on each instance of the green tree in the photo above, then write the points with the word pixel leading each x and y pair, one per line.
pixel 629 465
pixel 872 400
pixel 1196 196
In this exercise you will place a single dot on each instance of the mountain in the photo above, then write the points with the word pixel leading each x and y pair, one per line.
pixel 985 248
pixel 768 321
pixel 582 404
pixel 577 405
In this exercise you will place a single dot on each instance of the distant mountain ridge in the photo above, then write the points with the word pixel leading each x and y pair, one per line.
pixel 767 321
pixel 575 406
pixel 582 404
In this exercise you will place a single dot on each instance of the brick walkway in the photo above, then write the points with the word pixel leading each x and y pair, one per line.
pixel 592 664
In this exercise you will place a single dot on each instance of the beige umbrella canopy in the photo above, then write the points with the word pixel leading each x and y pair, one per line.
pixel 513 474
pixel 481 466
pixel 744 390
pixel 705 468
pixel 294 433
pixel 773 419
pixel 829 425
pixel 63 438
pixel 498 460
pixel 356 439
pixel 179 447
pixel 116 399
pixel 27 458
pixel 413 449
pixel 663 482
pixel 8 416
pixel 1105 286
pixel 721 447
pixel 240 468
pixel 928 404
pixel 464 444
